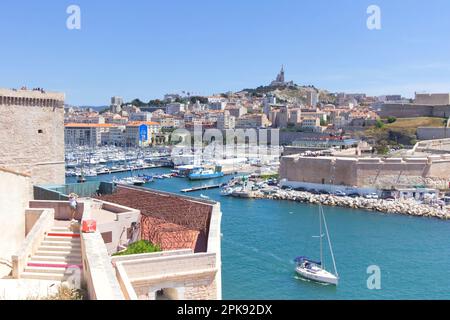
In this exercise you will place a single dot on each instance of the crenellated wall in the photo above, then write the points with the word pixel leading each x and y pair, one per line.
pixel 32 134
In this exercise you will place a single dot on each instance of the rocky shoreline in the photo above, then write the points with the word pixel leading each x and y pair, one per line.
pixel 403 207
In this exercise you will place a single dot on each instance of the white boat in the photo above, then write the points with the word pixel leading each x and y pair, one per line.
pixel 227 191
pixel 315 270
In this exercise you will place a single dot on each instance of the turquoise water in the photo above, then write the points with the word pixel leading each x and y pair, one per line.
pixel 262 237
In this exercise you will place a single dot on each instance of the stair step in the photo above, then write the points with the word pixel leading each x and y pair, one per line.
pixel 62 238
pixel 67 253
pixel 53 264
pixel 45 270
pixel 56 259
pixel 58 243
pixel 70 257
pixel 44 276
pixel 60 228
pixel 65 248
pixel 68 234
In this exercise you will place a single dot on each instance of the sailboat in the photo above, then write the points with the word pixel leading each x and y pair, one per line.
pixel 315 270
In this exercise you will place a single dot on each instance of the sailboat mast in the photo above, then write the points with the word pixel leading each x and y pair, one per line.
pixel 321 236
pixel 329 243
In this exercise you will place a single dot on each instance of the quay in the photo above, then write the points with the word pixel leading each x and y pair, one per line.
pixel 214 186
pixel 129 169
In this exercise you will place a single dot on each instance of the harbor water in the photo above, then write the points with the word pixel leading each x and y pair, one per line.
pixel 262 237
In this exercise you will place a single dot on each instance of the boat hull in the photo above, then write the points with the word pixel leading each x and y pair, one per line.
pixel 321 276
pixel 194 176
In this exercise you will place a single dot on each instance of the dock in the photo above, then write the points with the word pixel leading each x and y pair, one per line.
pixel 129 169
pixel 213 186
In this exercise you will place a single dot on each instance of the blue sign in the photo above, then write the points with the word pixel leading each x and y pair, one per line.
pixel 143 133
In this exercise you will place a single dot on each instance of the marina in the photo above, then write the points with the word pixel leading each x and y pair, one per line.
pixel 250 248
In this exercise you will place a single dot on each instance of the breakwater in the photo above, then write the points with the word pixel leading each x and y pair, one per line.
pixel 403 207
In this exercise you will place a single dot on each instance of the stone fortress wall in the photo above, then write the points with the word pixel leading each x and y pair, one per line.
pixel 32 134
pixel 432 171
pixel 399 110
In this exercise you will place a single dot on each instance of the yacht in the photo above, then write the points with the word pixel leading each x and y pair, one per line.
pixel 315 270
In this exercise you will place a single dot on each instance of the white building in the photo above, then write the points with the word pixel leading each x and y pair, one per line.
pixel 312 124
pixel 116 104
pixel 174 108
pixel 312 98
pixel 217 106
pixel 86 134
pixel 140 116
pixel 133 134
pixel 226 121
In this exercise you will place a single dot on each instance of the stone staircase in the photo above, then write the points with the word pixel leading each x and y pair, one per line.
pixel 59 251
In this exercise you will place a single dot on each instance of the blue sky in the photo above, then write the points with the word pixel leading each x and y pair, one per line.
pixel 144 49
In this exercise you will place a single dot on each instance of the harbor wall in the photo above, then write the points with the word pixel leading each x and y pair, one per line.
pixel 413 110
pixel 368 172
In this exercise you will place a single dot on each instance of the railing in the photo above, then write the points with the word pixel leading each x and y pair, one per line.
pixel 32 240
pixel 98 272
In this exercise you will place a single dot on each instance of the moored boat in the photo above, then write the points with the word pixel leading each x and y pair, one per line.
pixel 204 174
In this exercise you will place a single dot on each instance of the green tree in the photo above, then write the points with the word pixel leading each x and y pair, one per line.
pixel 379 124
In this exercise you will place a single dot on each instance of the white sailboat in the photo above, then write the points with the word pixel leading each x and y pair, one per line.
pixel 315 270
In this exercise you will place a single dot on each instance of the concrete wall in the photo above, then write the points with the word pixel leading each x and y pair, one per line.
pixel 98 272
pixel 181 276
pixel 433 133
pixel 32 141
pixel 15 192
pixel 62 208
pixel 32 241
pixel 123 220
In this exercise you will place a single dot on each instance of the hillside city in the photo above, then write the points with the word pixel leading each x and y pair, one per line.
pixel 86 210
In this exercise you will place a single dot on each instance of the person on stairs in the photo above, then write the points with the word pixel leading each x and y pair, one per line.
pixel 73 205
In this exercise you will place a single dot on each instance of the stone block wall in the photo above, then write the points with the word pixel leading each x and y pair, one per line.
pixel 370 172
pixel 32 141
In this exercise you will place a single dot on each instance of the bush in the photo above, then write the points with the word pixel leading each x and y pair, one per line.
pixel 379 124
pixel 391 119
pixel 142 246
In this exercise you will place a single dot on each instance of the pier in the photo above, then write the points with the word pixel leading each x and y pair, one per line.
pixel 213 186
pixel 129 169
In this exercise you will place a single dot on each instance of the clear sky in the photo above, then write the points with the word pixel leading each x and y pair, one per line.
pixel 146 48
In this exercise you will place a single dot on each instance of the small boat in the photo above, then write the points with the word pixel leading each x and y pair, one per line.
pixel 227 191
pixel 138 181
pixel 203 196
pixel 204 174
pixel 315 270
